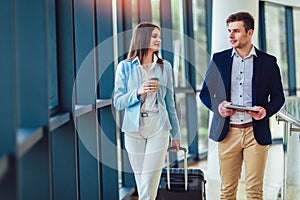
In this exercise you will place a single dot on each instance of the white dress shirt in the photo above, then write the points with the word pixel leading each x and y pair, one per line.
pixel 241 85
pixel 149 101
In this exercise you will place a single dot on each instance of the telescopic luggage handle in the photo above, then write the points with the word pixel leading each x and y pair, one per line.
pixel 185 167
pixel 180 148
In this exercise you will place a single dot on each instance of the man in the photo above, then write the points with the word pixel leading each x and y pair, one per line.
pixel 245 76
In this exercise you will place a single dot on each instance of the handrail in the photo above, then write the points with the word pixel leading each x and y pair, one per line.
pixel 292 124
pixel 291 98
pixel 284 115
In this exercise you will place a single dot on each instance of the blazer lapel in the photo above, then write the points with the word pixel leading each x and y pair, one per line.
pixel 227 74
pixel 137 72
pixel 256 72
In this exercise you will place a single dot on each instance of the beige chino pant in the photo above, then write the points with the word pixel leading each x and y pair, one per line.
pixel 238 146
pixel 146 151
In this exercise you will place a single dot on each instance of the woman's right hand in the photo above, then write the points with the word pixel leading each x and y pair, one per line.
pixel 141 91
pixel 148 86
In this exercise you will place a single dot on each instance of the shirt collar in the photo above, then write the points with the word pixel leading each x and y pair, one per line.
pixel 251 53
pixel 136 59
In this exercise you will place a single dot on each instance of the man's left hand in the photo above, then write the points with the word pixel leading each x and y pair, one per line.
pixel 258 115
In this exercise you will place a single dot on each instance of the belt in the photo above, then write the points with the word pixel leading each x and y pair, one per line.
pixel 149 114
pixel 246 125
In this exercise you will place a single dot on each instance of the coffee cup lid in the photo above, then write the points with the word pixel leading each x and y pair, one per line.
pixel 153 78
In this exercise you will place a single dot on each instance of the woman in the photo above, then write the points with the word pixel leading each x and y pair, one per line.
pixel 150 115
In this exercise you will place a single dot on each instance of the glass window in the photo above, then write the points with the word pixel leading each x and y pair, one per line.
pixel 296 16
pixel 182 116
pixel 203 121
pixel 178 43
pixel 52 53
pixel 135 13
pixel 179 69
pixel 201 62
pixel 117 116
pixel 276 45
pixel 53 88
pixel 276 37
pixel 201 56
pixel 155 12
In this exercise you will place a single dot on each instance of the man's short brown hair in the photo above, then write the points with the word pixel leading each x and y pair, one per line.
pixel 246 17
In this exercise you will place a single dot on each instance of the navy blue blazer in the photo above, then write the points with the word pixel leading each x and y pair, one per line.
pixel 267 92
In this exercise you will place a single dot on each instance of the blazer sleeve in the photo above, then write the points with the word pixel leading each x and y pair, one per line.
pixel 276 90
pixel 123 97
pixel 170 104
pixel 210 92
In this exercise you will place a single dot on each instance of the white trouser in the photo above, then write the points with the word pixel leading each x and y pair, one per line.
pixel 146 151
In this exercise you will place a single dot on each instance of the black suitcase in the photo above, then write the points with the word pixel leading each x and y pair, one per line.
pixel 183 183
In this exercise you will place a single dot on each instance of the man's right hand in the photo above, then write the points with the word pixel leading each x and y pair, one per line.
pixel 225 112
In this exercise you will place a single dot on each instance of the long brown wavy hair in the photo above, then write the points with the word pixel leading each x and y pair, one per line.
pixel 140 41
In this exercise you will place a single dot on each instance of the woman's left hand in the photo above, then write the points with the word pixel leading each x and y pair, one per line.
pixel 175 143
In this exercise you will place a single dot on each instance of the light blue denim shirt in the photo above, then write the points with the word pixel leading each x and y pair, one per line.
pixel 127 82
